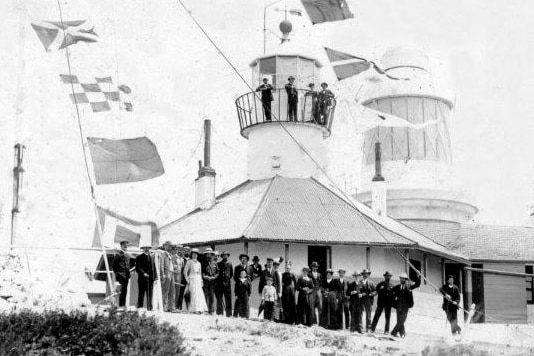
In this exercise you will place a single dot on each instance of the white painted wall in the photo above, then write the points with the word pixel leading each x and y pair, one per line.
pixel 269 144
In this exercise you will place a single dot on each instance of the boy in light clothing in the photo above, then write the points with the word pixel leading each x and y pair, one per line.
pixel 268 297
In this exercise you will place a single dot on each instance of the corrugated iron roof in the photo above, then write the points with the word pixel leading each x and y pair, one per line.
pixel 482 242
pixel 294 210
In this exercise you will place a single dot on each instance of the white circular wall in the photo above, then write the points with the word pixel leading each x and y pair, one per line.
pixel 272 151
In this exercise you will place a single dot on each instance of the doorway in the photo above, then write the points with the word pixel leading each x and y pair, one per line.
pixel 321 255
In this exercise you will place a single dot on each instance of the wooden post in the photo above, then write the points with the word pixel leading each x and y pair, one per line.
pixel 407 262
pixel 443 271
pixel 286 254
pixel 245 247
pixel 368 258
pixel 425 267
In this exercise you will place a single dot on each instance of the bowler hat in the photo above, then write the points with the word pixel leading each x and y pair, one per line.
pixel 324 84
pixel 314 264
pixel 291 77
pixel 387 274
pixel 356 273
pixel 244 255
pixel 403 275
pixel 124 242
pixel 225 253
pixel 366 271
pixel 255 258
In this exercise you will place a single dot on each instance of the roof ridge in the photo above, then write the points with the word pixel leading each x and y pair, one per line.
pixel 260 206
pixel 196 210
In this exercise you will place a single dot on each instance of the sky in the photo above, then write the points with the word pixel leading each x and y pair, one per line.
pixel 481 48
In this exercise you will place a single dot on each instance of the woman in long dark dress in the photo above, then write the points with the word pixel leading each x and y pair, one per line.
pixel 329 315
pixel 304 287
pixel 289 306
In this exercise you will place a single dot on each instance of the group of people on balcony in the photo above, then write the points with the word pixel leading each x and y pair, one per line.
pixel 321 101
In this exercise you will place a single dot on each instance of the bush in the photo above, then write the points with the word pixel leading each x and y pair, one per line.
pixel 58 333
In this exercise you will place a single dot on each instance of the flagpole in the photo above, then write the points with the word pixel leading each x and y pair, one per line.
pixel 86 161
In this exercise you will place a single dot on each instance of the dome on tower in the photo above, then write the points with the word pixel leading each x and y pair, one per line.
pixel 400 57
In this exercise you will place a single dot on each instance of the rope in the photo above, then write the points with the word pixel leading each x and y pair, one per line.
pixel 82 142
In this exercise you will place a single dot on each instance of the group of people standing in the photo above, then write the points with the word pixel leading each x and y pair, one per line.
pixel 321 101
pixel 203 282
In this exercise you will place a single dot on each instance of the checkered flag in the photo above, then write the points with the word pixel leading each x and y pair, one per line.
pixel 97 94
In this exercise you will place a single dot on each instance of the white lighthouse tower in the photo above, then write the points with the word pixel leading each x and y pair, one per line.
pixel 282 145
pixel 417 159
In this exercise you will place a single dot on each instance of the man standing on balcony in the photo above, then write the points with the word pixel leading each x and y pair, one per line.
pixel 325 101
pixel 292 99
pixel 266 98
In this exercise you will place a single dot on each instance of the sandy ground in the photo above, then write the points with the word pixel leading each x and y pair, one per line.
pixel 209 335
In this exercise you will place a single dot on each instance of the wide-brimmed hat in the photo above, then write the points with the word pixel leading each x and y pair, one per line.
pixel 403 275
pixel 330 270
pixel 341 270
pixel 314 264
pixel 387 274
pixel 306 268
pixel 195 250
pixel 255 258
pixel 167 243
pixel 290 77
pixel 356 273
pixel 208 250
pixel 145 246
pixel 244 255
pixel 366 271
pixel 225 253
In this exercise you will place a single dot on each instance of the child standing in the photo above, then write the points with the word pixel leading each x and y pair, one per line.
pixel 268 297
pixel 242 294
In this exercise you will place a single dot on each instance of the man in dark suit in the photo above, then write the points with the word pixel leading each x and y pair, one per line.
pixel 121 269
pixel 403 302
pixel 243 266
pixel 223 290
pixel 292 99
pixel 325 102
pixel 343 307
pixel 316 296
pixel 367 293
pixel 384 290
pixel 146 269
pixel 451 302
pixel 256 267
pixel 353 293
pixel 267 272
pixel 266 97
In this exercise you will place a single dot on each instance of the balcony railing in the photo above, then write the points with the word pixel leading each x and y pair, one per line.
pixel 311 108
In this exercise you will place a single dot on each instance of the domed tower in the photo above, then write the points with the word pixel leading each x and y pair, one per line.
pixel 416 158
pixel 279 129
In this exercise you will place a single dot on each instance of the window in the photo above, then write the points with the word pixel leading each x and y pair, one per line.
pixel 530 284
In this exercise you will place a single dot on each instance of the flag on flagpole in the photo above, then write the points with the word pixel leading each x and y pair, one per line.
pixel 59 35
pixel 117 228
pixel 98 94
pixel 123 161
pixel 321 11
pixel 347 65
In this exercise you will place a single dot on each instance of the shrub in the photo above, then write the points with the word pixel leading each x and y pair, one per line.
pixel 78 333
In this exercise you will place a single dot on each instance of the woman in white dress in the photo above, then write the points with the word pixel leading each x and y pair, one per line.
pixel 193 276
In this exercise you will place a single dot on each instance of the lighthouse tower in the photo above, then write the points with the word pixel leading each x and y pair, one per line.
pixel 417 158
pixel 282 143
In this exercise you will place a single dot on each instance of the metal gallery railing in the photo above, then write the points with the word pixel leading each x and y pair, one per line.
pixel 311 107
